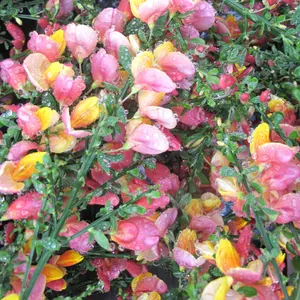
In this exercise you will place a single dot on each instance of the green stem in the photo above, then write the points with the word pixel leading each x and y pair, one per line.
pixel 242 10
pixel 24 53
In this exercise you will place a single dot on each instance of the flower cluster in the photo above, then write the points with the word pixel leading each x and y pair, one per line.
pixel 158 133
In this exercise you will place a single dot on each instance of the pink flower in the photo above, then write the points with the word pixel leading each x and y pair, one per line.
pixel 204 224
pixel 226 81
pixel 189 32
pixel 244 241
pixel 147 139
pixel 274 152
pixel 152 79
pixel 161 175
pixel 182 6
pixel 288 208
pixel 104 67
pixel 109 18
pixel 150 284
pixel 136 233
pixel 20 149
pixel 65 8
pixel 28 121
pixel 163 116
pixel 81 243
pixel 24 207
pixel 81 40
pixel 66 90
pixel 185 259
pixel 13 73
pixel 150 10
pixel 166 220
pixel 192 117
pixel 174 144
pixel 17 33
pixel 41 43
pixel 124 6
pixel 177 66
pixel 113 40
pixel 203 17
pixel 101 200
pixel 279 176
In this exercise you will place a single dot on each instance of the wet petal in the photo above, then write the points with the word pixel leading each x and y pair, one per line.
pixel 217 289
pixel 69 258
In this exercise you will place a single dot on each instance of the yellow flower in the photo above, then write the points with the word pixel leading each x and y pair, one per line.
pixel 58 36
pixel 26 166
pixel 53 71
pixel 163 50
pixel 149 296
pixel 86 112
pixel 227 187
pixel 206 249
pixel 138 279
pixel 11 297
pixel 47 116
pixel 276 104
pixel 194 208
pixel 217 289
pixel 280 258
pixel 210 202
pixel 227 257
pixel 69 258
pixel 260 136
pixel 142 61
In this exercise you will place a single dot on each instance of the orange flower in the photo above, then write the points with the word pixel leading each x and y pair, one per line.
pixel 69 258
pixel 26 166
pixel 227 257
pixel 260 136
pixel 186 240
pixel 52 272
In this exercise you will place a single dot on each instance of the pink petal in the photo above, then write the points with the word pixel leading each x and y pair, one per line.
pixel 20 149
pixel 134 268
pixel 109 18
pixel 148 139
pixel 56 285
pixel 163 116
pixel 24 207
pixel 28 121
pixel 109 196
pixel 274 152
pixel 166 220
pixel 152 79
pixel 203 224
pixel 136 233
pixel 192 117
pixel 244 241
pixel 174 144
pixel 186 259
pixel 150 11
pixel 177 66
pixel 151 284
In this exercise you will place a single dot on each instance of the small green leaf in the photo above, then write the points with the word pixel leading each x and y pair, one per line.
pixel 110 87
pixel 228 172
pixel 296 263
pixel 248 291
pixel 125 58
pixel 100 238
pixel 294 135
pixel 197 41
pixel 256 186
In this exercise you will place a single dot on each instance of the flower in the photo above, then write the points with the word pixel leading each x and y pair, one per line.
pixel 182 6
pixel 147 139
pixel 109 18
pixel 7 184
pixel 17 33
pixel 41 43
pixel 81 40
pixel 136 233
pixel 67 90
pixel 24 207
pixel 149 10
pixel 13 73
pixel 260 136
pixel 226 256
pixel 217 289
pixel 104 68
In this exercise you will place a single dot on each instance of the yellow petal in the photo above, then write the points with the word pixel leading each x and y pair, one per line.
pixel 149 296
pixel 47 116
pixel 206 249
pixel 267 281
pixel 52 273
pixel 260 136
pixel 86 112
pixel 52 72
pixel 163 50
pixel 58 36
pixel 26 166
pixel 194 208
pixel 139 278
pixel 142 61
pixel 69 258
pixel 149 98
pixel 186 240
pixel 280 258
pixel 11 297
pixel 227 187
pixel 8 184
pixel 227 257
pixel 60 141
pixel 134 5
pixel 217 289
pixel 210 202
pixel 276 104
